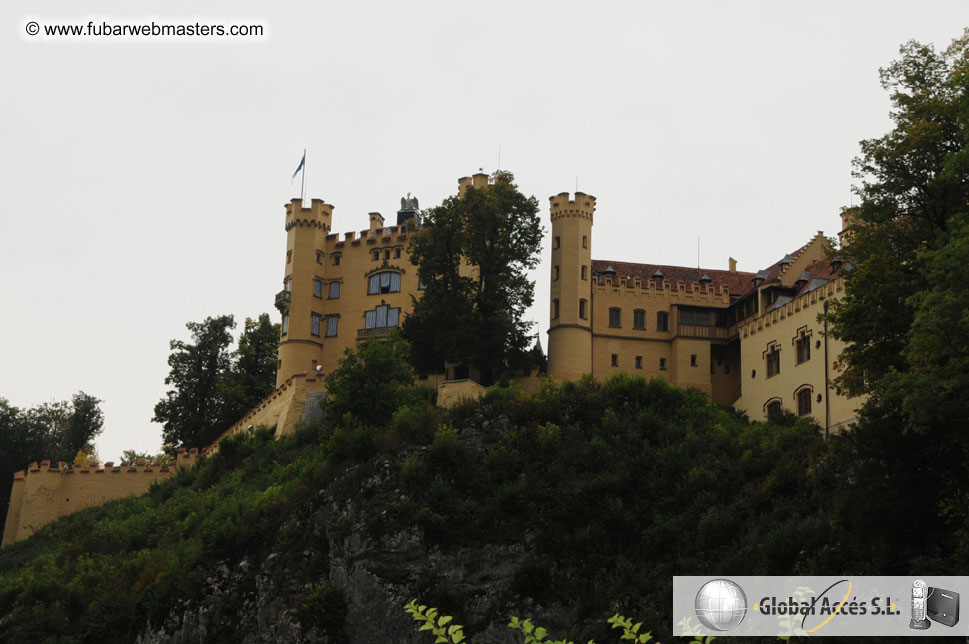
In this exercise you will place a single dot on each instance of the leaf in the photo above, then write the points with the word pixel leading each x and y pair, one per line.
pixel 444 620
pixel 540 633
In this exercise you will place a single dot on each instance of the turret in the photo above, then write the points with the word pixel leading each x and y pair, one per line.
pixel 570 329
pixel 299 303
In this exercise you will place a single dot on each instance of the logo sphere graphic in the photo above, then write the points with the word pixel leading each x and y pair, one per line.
pixel 721 605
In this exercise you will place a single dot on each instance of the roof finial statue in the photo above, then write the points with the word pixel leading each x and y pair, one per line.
pixel 408 203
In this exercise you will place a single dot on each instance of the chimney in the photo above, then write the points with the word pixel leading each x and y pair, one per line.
pixel 376 221
pixel 733 264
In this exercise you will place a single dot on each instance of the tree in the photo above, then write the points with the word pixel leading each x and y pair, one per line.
pixel 56 431
pixel 370 382
pixel 253 373
pixel 193 412
pixel 902 472
pixel 214 386
pixel 472 257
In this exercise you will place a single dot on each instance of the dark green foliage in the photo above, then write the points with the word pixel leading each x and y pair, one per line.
pixel 474 317
pixel 212 387
pixel 51 431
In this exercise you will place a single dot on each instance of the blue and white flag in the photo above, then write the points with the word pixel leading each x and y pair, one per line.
pixel 299 167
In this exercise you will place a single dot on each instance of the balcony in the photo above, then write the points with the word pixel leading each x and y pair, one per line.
pixel 376 332
pixel 283 300
pixel 700 331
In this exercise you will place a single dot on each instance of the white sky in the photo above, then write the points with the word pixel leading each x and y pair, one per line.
pixel 142 182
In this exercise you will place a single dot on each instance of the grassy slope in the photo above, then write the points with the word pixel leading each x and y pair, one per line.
pixel 616 486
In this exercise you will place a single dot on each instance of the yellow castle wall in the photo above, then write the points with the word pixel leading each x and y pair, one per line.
pixel 47 492
pixel 782 327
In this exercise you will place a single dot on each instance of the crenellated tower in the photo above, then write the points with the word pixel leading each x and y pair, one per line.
pixel 300 341
pixel 570 315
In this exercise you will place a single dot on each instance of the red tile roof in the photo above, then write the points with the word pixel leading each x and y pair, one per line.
pixel 735 282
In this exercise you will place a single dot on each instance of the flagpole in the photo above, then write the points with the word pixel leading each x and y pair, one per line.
pixel 302 190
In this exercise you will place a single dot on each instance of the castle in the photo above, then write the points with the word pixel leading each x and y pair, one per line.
pixel 750 340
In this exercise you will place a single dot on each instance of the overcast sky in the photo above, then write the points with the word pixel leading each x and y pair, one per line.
pixel 142 181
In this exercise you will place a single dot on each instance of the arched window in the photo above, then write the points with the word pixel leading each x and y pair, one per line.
pixel 803 397
pixel 615 317
pixel 384 282
pixel 772 408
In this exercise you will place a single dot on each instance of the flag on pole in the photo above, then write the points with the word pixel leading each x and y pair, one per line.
pixel 299 167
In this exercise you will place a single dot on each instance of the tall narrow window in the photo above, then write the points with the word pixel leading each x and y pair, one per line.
pixel 582 312
pixel 614 317
pixel 639 319
pixel 336 259
pixel 585 241
pixel 385 282
pixel 557 243
pixel 555 309
pixel 802 348
pixel 693 360
pixel 332 324
pixel 396 253
pixel 662 321
pixel 804 402
pixel 639 362
pixel 773 357
pixel 662 364
pixel 315 326
pixel 334 290
pixel 615 360
pixel 285 323
pixel 376 255
pixel 318 288
pixel 555 272
pixel 585 274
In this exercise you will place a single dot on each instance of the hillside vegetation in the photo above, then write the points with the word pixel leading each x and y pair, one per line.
pixel 602 492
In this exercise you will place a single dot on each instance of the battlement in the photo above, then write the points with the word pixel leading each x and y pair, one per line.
pixel 318 215
pixel 582 205
pixel 476 181
pixel 692 293
pixel 371 236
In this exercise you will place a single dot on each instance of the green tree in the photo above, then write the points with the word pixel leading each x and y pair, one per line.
pixel 370 382
pixel 902 473
pixel 56 431
pixel 252 375
pixel 194 411
pixel 472 256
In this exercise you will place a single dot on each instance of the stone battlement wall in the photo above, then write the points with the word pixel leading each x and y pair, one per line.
pixel 48 491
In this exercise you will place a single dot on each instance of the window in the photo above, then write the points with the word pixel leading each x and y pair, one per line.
pixel 288 284
pixel 289 256
pixel 693 360
pixel 381 317
pixel 318 288
pixel 662 321
pixel 804 402
pixel 332 323
pixel 376 255
pixel 802 348
pixel 285 323
pixel 615 360
pixel 585 274
pixel 334 290
pixel 557 243
pixel 773 357
pixel 699 318
pixel 555 272
pixel 396 253
pixel 319 257
pixel 385 282
pixel 555 309
pixel 662 364
pixel 639 319
pixel 582 309
pixel 639 362
pixel 336 259
pixel 614 317
pixel 315 330
pixel 386 254
pixel 585 241
pixel 773 409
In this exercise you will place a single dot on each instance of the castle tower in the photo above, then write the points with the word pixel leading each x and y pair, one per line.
pixel 570 317
pixel 301 302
